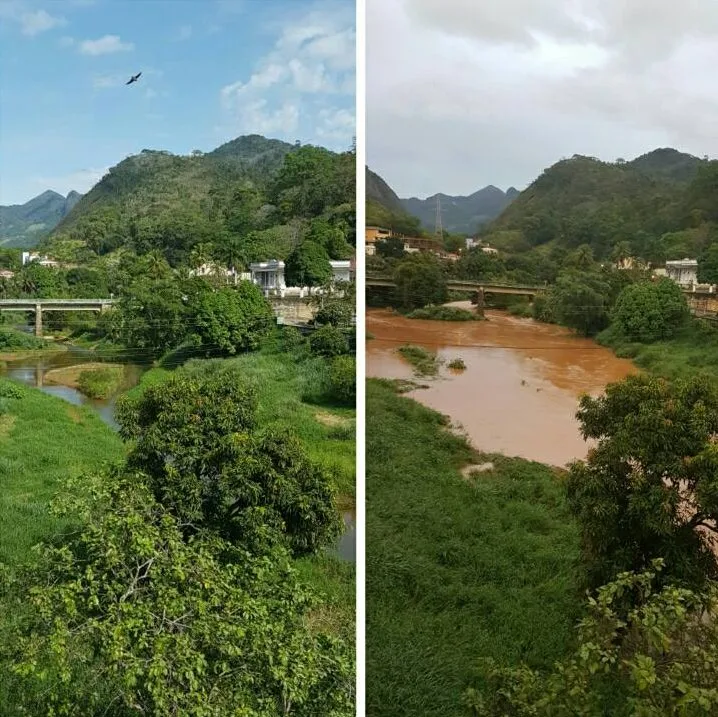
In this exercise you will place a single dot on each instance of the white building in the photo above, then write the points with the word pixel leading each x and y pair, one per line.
pixel 341 270
pixel 215 270
pixel 683 271
pixel 28 257
pixel 268 275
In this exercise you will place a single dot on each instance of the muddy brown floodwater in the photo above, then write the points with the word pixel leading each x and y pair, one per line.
pixel 519 393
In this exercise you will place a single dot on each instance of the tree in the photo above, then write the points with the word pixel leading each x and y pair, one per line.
pixel 649 487
pixel 393 247
pixel 328 341
pixel 420 281
pixel 653 658
pixel 580 301
pixel 308 265
pixel 150 315
pixel 708 265
pixel 650 311
pixel 197 442
pixel 228 319
pixel 128 617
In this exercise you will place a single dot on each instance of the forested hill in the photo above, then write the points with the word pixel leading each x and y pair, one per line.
pixel 251 199
pixel 24 225
pixel 461 214
pixel 662 205
pixel 384 208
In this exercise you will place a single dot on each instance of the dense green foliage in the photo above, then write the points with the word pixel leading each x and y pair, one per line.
pixel 20 341
pixel 661 206
pixel 130 615
pixel 444 313
pixel 206 459
pixel 328 341
pixel 650 311
pixel 456 568
pixel 655 658
pixel 647 489
pixel 342 376
pixel 419 281
pixel 250 200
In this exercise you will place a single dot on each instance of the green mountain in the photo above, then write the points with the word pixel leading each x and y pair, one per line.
pixel 461 215
pixel 662 205
pixel 252 198
pixel 385 209
pixel 25 225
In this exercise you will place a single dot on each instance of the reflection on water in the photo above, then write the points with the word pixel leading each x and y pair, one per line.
pixel 519 392
pixel 347 547
pixel 32 371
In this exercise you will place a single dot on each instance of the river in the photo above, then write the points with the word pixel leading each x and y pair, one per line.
pixel 519 392
pixel 33 371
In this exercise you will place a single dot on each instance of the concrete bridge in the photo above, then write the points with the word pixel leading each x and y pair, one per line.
pixel 288 310
pixel 470 286
pixel 39 305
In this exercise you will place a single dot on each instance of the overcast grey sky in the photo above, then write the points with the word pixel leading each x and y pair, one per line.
pixel 465 93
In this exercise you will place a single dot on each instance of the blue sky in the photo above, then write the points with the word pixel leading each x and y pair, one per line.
pixel 212 70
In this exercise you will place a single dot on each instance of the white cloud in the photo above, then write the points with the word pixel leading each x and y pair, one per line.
pixel 461 94
pixel 33 23
pixel 67 41
pixel 105 46
pixel 313 57
pixel 336 124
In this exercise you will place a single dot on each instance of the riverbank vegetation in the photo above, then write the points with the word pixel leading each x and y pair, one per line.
pixel 444 313
pixel 425 363
pixel 457 567
pixel 268 551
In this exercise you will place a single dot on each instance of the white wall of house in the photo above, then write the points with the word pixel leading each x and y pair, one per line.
pixel 268 275
pixel 341 270
pixel 684 272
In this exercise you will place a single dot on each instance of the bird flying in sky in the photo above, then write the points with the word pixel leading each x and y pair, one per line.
pixel 134 78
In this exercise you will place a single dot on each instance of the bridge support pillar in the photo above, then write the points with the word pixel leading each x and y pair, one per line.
pixel 38 320
pixel 480 302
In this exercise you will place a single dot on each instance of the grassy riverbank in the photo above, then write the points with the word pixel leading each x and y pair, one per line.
pixel 43 440
pixel 17 345
pixel 693 350
pixel 457 568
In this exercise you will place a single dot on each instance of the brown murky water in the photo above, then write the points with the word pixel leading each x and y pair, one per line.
pixel 519 393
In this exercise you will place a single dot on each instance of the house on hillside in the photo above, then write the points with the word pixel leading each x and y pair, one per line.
pixel 683 271
pixel 268 275
pixel 212 269
pixel 341 270
pixel 28 257
pixel 6 274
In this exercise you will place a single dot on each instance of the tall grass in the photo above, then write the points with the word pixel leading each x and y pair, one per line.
pixel 457 569
pixel 43 440
pixel 694 350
